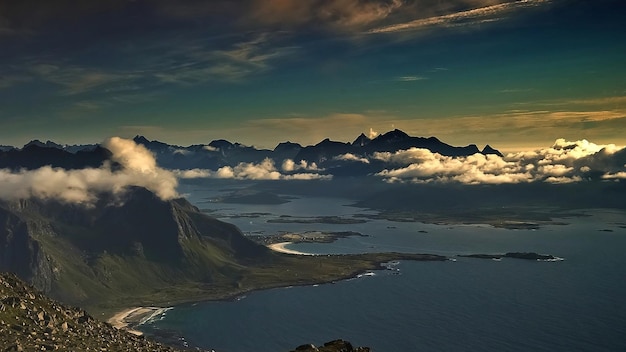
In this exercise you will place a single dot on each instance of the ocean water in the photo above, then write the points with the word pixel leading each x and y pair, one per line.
pixel 468 305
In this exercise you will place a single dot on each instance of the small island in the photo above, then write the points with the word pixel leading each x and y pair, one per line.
pixel 335 220
pixel 515 255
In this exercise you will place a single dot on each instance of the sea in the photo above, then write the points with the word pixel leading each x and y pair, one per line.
pixel 577 304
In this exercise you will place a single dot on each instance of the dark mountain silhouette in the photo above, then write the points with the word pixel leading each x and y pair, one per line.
pixel 323 151
pixel 361 141
pixel 396 140
pixel 221 152
pixel 36 155
pixel 48 144
pixel 286 150
pixel 489 150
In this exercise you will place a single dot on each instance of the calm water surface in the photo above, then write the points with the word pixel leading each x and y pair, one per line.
pixel 468 305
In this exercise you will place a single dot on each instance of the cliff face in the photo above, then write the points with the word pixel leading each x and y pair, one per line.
pixel 83 254
pixel 22 253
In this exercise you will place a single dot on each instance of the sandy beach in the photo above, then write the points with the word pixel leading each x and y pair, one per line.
pixel 280 247
pixel 135 315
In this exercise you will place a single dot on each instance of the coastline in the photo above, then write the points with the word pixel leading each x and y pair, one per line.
pixel 127 318
pixel 280 247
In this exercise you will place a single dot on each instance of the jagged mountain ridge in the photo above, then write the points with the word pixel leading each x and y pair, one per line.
pixel 36 155
pixel 84 254
pixel 219 153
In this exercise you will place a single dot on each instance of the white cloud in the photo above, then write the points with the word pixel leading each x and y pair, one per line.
pixel 564 162
pixel 477 15
pixel 181 151
pixel 410 78
pixel 83 186
pixel 372 134
pixel 617 175
pixel 291 166
pixel 193 173
pixel 352 157
pixel 265 170
pixel 211 148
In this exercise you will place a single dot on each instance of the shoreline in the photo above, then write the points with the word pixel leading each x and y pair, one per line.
pixel 128 318
pixel 131 317
pixel 280 247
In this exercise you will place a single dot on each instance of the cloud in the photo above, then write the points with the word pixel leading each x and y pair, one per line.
pixel 618 175
pixel 193 173
pixel 564 162
pixel 182 151
pixel 233 63
pixel 351 157
pixel 79 80
pixel 372 134
pixel 211 148
pixel 410 78
pixel 341 14
pixel 265 170
pixel 138 168
pixel 291 166
pixel 472 16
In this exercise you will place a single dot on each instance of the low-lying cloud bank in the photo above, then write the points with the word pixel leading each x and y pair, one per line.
pixel 138 168
pixel 265 170
pixel 564 162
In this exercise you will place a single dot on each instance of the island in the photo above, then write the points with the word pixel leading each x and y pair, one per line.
pixel 515 255
pixel 336 220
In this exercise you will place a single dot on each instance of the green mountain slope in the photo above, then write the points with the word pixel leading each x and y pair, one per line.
pixel 141 250
pixel 86 255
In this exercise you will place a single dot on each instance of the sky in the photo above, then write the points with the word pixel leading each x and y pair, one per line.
pixel 512 74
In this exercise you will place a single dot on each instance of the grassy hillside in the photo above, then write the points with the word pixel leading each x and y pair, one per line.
pixel 141 250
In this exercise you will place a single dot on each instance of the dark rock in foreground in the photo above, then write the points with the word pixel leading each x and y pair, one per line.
pixel 30 321
pixel 332 346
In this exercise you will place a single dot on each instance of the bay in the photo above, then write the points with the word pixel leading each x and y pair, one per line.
pixel 470 304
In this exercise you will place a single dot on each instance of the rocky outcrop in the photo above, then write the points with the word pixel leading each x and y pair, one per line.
pixel 332 346
pixel 29 321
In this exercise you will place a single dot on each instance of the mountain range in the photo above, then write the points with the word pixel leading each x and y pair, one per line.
pixel 220 153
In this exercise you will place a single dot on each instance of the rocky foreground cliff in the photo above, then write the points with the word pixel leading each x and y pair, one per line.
pixel 30 321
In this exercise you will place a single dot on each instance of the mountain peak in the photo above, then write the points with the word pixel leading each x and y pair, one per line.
pixel 489 150
pixel 361 140
pixel 392 136
pixel 38 143
pixel 141 140
pixel 221 144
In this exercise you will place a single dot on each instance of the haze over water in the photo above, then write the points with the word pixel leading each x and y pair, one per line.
pixel 470 304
